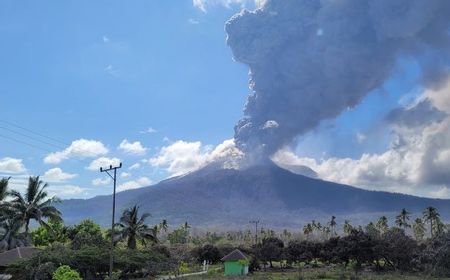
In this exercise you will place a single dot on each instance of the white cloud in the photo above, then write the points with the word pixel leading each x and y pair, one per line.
pixel 105 39
pixel 80 148
pixel 134 166
pixel 57 175
pixel 12 165
pixel 125 174
pixel 104 162
pixel 203 5
pixel 66 191
pixel 101 181
pixel 148 131
pixel 360 137
pixel 135 184
pixel 182 157
pixel 134 148
pixel 416 163
pixel 193 21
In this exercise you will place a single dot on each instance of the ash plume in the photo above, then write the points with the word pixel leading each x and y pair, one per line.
pixel 310 60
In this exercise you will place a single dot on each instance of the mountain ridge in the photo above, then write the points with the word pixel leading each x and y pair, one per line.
pixel 229 198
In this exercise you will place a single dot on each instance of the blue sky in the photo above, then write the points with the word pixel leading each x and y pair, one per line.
pixel 154 73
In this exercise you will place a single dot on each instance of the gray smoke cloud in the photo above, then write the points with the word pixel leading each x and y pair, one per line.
pixel 310 60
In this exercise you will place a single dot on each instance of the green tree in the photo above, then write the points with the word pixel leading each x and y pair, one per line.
pixel 11 236
pixel 307 230
pixel 347 227
pixel 382 224
pixel 402 220
pixel 164 225
pixel 431 215
pixel 64 272
pixel 55 231
pixel 419 229
pixel 35 204
pixel 3 195
pixel 332 224
pixel 132 227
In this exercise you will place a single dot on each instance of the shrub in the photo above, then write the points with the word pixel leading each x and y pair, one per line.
pixel 64 272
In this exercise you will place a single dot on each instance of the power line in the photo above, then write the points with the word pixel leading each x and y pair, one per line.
pixel 31 137
pixel 34 132
pixel 25 143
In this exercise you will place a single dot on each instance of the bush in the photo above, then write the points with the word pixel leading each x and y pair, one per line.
pixel 64 272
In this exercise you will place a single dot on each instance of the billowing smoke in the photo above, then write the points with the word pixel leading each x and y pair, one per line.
pixel 310 60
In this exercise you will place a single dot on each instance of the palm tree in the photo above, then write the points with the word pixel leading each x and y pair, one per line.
pixel 133 228
pixel 382 224
pixel 347 227
pixel 430 215
pixel 35 205
pixel 332 225
pixel 419 229
pixel 307 230
pixel 3 194
pixel 11 236
pixel 402 219
pixel 164 225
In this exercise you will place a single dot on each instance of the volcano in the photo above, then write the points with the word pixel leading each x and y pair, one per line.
pixel 213 197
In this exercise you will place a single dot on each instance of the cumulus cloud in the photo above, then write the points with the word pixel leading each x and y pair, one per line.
pixel 66 191
pixel 132 148
pixel 148 131
pixel 203 5
pixel 57 175
pixel 182 157
pixel 125 175
pixel 80 148
pixel 12 165
pixel 101 181
pixel 103 162
pixel 135 184
pixel 134 166
pixel 416 162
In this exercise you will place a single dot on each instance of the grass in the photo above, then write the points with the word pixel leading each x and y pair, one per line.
pixel 314 273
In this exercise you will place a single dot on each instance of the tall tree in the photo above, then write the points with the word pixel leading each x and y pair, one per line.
pixel 347 227
pixel 431 215
pixel 332 225
pixel 307 230
pixel 164 225
pixel 4 205
pixel 419 229
pixel 382 224
pixel 133 227
pixel 402 220
pixel 35 204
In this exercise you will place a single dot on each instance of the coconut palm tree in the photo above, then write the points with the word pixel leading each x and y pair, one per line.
pixel 332 225
pixel 164 225
pixel 4 205
pixel 133 228
pixel 35 204
pixel 382 224
pixel 402 219
pixel 431 215
pixel 11 237
pixel 419 229
pixel 307 230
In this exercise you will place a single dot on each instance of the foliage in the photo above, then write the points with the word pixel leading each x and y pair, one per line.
pixel 207 252
pixel 54 231
pixel 34 204
pixel 64 272
pixel 133 228
pixel 271 249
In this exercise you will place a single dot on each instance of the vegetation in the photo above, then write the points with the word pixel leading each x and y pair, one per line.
pixel 419 245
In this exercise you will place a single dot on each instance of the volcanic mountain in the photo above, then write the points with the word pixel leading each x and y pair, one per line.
pixel 228 198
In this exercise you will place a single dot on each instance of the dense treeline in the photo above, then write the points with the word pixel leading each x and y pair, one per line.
pixel 419 245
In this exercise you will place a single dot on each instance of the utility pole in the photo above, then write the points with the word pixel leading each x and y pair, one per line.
pixel 114 177
pixel 256 222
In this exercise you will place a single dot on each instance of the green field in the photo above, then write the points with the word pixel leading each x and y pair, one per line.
pixel 316 273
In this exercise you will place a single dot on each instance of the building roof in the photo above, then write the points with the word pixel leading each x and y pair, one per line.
pixel 234 256
pixel 16 254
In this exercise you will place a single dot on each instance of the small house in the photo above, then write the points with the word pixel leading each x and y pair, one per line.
pixel 236 263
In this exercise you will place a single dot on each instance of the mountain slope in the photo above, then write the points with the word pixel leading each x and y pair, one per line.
pixel 230 198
